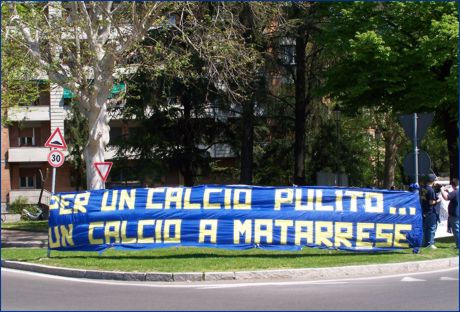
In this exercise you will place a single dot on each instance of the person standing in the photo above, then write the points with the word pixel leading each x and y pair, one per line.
pixel 452 208
pixel 428 200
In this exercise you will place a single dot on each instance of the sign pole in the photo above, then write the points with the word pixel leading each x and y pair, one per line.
pixel 415 148
pixel 53 184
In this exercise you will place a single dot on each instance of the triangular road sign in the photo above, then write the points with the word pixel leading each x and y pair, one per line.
pixel 103 168
pixel 56 140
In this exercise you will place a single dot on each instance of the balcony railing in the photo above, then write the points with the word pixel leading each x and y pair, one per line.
pixel 29 154
pixel 32 113
pixel 32 195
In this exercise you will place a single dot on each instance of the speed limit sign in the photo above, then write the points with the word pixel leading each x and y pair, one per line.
pixel 56 158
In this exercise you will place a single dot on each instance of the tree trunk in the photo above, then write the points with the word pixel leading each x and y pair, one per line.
pixel 451 129
pixel 247 116
pixel 300 111
pixel 98 122
pixel 247 142
pixel 188 169
pixel 391 149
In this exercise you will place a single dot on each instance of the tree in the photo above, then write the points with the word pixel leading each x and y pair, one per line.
pixel 17 65
pixel 77 133
pixel 211 69
pixel 302 26
pixel 384 58
pixel 80 45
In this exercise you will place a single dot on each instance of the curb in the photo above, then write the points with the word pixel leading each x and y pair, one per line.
pixel 309 274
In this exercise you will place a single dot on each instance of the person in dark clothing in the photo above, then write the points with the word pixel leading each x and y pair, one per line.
pixel 452 208
pixel 428 200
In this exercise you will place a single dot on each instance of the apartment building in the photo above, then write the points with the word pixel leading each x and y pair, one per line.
pixel 24 154
pixel 23 151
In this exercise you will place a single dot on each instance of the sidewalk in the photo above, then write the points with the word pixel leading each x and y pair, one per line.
pixel 13 238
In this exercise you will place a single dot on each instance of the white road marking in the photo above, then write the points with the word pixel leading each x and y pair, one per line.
pixel 446 278
pixel 411 279
pixel 217 286
pixel 210 285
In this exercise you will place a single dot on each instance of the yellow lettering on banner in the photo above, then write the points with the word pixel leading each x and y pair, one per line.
pixel 283 196
pixel 380 234
pixel 54 243
pixel 247 199
pixel 112 230
pixel 158 233
pixel 319 202
pixel 81 200
pixel 267 232
pixel 228 199
pixel 187 203
pixel 173 195
pixel 338 201
pixel 298 200
pixel 141 239
pixel 113 203
pixel 91 227
pixel 206 198
pixel 64 203
pixel 55 202
pixel 124 238
pixel 126 199
pixel 361 235
pixel 66 235
pixel 343 234
pixel 150 204
pixel 176 224
pixel 306 234
pixel 368 207
pixel 208 228
pixel 400 236
pixel 354 199
pixel 284 225
pixel 324 236
pixel 244 228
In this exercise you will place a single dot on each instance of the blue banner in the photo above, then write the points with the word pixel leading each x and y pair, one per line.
pixel 236 217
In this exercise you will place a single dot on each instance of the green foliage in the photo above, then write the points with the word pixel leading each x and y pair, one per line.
pixel 18 67
pixel 76 135
pixel 21 204
pixel 434 143
pixel 18 204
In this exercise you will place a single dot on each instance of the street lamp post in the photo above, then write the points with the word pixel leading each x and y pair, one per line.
pixel 337 119
pixel 378 136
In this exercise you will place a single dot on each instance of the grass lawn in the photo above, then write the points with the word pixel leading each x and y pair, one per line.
pixel 207 259
pixel 33 226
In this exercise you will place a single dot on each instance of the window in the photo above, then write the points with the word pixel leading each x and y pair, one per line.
pixel 27 182
pixel 115 136
pixel 287 55
pixel 287 51
pixel 28 137
pixel 26 141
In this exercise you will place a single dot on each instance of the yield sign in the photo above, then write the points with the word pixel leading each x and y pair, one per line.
pixel 103 169
pixel 56 140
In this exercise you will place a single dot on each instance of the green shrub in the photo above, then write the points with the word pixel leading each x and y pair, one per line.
pixel 17 205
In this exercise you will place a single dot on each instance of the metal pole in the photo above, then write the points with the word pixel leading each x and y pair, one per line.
pixel 53 184
pixel 54 181
pixel 415 149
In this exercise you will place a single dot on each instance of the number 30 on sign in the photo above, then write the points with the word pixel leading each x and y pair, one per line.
pixel 56 158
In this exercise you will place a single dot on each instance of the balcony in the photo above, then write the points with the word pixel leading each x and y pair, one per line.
pixel 29 154
pixel 32 113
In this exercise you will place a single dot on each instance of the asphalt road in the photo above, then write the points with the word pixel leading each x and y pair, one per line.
pixel 419 291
